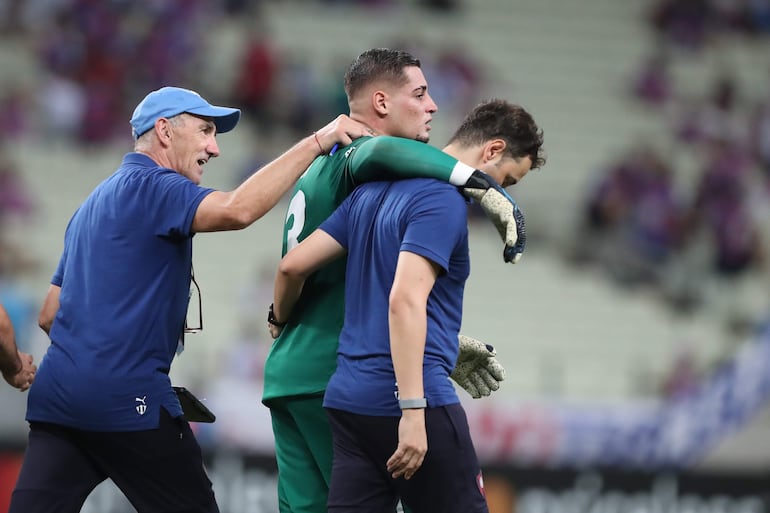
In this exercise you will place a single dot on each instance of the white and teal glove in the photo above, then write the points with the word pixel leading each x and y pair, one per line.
pixel 477 370
pixel 502 210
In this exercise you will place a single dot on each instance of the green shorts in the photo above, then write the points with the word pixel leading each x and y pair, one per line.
pixel 303 449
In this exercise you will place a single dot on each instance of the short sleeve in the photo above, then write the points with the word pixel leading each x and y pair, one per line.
pixel 174 199
pixel 436 225
pixel 336 225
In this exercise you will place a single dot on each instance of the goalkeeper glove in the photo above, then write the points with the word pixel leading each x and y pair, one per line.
pixel 477 371
pixel 502 210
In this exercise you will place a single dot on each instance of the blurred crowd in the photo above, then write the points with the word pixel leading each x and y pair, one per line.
pixel 693 24
pixel 95 58
pixel 686 215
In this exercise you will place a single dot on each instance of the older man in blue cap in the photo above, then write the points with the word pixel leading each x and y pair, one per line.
pixel 102 405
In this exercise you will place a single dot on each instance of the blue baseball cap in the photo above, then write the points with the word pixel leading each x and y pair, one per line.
pixel 168 102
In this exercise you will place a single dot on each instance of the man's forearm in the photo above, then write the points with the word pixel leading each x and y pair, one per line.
pixel 408 329
pixel 287 291
pixel 262 190
pixel 390 158
pixel 10 363
pixel 258 194
pixel 310 255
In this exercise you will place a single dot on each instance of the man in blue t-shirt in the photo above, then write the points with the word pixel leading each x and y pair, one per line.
pixel 101 405
pixel 390 398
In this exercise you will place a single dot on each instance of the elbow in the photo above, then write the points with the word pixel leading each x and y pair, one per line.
pixel 45 318
pixel 238 218
pixel 401 304
pixel 45 323
pixel 289 270
pixel 236 215
pixel 240 221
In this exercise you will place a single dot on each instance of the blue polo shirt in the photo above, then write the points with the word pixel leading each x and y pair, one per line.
pixel 125 282
pixel 378 221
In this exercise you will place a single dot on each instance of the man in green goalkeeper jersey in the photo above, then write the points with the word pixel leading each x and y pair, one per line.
pixel 387 92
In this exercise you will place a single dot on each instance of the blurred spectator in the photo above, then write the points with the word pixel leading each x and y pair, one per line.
pixel 103 114
pixel 760 136
pixel 715 118
pixel 633 220
pixel 456 78
pixel 62 105
pixel 254 82
pixel 683 376
pixel 721 206
pixel 295 104
pixel 63 45
pixel 685 23
pixel 723 212
pixel 652 84
pixel 169 47
pixel 14 105
pixel 15 199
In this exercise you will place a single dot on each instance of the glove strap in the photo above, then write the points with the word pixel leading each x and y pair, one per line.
pixel 271 318
pixel 413 404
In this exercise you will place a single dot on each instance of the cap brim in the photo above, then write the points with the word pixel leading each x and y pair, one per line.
pixel 224 118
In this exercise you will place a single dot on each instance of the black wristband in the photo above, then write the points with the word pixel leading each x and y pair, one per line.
pixel 271 318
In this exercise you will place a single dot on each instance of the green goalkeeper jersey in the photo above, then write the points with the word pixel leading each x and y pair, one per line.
pixel 303 358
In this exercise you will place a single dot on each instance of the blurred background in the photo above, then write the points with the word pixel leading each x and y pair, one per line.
pixel 635 329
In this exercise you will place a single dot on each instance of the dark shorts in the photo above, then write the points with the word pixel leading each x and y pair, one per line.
pixel 449 480
pixel 159 470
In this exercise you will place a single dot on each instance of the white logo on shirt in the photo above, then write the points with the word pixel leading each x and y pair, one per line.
pixel 142 406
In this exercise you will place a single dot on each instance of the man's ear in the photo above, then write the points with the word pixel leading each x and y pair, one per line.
pixel 380 102
pixel 494 150
pixel 163 130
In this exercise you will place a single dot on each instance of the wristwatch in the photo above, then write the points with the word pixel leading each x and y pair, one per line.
pixel 271 318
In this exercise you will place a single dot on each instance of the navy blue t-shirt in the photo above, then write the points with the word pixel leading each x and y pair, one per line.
pixel 378 221
pixel 125 283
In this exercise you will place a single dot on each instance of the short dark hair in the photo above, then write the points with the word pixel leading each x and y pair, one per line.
pixel 378 64
pixel 499 119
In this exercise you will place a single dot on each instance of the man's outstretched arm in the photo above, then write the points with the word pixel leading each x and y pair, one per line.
pixel 237 209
